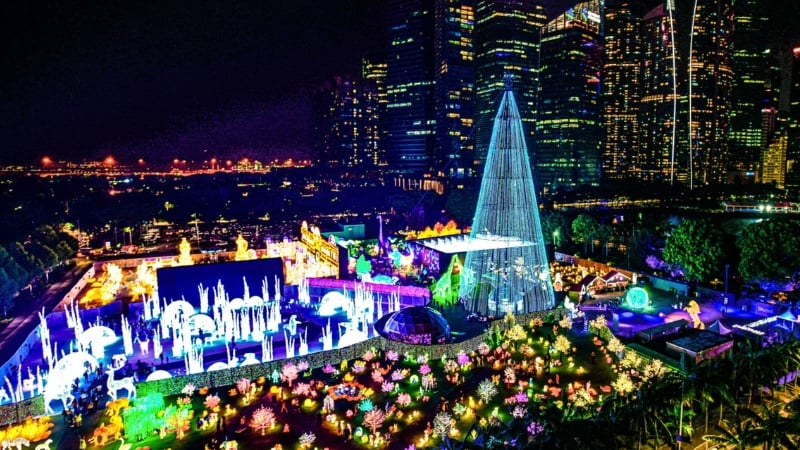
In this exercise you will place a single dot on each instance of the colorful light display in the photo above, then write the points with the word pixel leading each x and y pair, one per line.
pixel 506 268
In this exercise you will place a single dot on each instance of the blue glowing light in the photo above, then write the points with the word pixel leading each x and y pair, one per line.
pixel 637 298
pixel 506 267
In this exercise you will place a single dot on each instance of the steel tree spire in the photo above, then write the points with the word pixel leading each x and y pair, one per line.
pixel 506 267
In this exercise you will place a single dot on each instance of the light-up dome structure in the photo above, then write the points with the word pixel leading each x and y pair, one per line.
pixel 414 325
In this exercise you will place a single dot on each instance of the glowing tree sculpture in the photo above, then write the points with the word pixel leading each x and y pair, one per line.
pixel 373 419
pixel 441 423
pixel 263 419
pixel 289 373
pixel 506 261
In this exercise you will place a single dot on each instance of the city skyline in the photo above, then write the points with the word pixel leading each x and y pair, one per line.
pixel 204 112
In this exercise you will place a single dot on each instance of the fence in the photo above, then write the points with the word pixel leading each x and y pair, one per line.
pixel 334 357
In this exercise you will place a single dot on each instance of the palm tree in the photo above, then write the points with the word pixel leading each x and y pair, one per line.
pixel 710 383
pixel 790 352
pixel 745 368
pixel 651 411
pixel 778 428
pixel 773 362
pixel 741 433
pixel 769 427
pixel 611 421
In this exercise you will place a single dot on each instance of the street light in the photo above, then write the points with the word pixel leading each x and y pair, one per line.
pixel 727 266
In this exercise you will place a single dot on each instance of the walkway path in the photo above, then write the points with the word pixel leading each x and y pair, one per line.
pixel 13 333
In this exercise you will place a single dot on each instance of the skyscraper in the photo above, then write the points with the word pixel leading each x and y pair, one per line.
pixel 710 91
pixel 774 144
pixel 373 109
pixel 507 34
pixel 621 72
pixel 749 59
pixel 791 109
pixel 409 118
pixel 506 268
pixel 569 127
pixel 657 158
pixel 454 53
pixel 336 114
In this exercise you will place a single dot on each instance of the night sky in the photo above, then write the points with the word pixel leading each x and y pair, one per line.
pixel 188 79
pixel 170 79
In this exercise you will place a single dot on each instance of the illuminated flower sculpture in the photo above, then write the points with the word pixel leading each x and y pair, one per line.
pixel 534 428
pixel 487 390
pixel 307 439
pixel 263 419
pixel 403 399
pixel 212 401
pixel 374 419
pixel 289 373
pixel 441 423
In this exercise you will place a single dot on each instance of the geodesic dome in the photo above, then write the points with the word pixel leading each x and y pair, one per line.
pixel 415 325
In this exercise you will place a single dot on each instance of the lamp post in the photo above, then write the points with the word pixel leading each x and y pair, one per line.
pixel 727 266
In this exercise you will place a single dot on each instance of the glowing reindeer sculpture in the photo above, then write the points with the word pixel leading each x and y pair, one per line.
pixel 114 386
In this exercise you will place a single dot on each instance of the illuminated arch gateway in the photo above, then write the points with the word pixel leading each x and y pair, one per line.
pixel 506 268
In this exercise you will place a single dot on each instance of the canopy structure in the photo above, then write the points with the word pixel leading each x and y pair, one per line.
pixel 718 327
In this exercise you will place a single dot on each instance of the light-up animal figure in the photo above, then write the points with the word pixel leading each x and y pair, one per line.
pixel 694 313
pixel 123 383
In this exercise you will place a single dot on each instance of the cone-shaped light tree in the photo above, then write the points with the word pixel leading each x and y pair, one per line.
pixel 506 267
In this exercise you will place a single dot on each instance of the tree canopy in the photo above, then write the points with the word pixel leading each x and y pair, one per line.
pixel 770 250
pixel 695 245
pixel 585 228
pixel 22 262
pixel 555 225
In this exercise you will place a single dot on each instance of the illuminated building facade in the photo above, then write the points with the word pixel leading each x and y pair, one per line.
pixel 654 159
pixel 409 119
pixel 507 42
pixel 750 61
pixel 323 253
pixel 454 54
pixel 373 107
pixel 773 162
pixel 621 73
pixel 569 128
pixel 711 87
pixel 793 122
